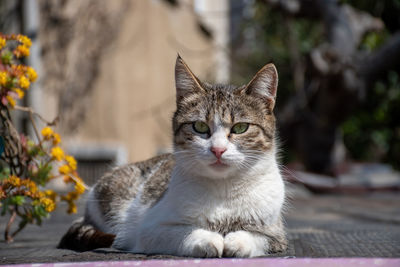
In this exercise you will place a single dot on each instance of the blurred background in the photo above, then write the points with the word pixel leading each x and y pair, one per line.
pixel 106 70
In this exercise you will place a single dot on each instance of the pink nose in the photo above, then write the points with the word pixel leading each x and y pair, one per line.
pixel 218 151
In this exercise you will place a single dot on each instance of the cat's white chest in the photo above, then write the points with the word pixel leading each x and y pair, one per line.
pixel 229 211
pixel 228 215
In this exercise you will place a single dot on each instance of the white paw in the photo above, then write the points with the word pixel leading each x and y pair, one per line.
pixel 203 244
pixel 242 244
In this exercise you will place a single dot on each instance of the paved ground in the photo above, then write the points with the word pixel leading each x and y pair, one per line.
pixel 318 226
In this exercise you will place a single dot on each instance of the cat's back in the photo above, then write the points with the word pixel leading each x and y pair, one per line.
pixel 111 195
pixel 109 199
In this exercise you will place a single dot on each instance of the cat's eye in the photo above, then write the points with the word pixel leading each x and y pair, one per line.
pixel 240 128
pixel 201 127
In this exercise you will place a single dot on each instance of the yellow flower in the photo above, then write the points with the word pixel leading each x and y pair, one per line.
pixel 3 78
pixel 19 92
pixel 50 194
pixel 40 194
pixel 2 42
pixel 56 138
pixel 11 101
pixel 32 75
pixel 31 186
pixel 48 204
pixel 24 40
pixel 24 82
pixel 71 162
pixel 79 188
pixel 21 51
pixel 14 181
pixel 72 207
pixel 64 169
pixel 47 132
pixel 57 153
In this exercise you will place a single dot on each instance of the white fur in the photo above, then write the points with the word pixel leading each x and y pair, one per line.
pixel 132 218
pixel 203 243
pixel 93 212
pixel 199 194
pixel 244 244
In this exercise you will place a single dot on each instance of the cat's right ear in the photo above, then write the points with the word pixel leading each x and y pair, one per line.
pixel 185 81
pixel 264 84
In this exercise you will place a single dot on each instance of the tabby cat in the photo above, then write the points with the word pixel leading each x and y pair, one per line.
pixel 219 194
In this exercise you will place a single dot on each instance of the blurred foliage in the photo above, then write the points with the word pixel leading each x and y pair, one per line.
pixel 266 34
pixel 373 131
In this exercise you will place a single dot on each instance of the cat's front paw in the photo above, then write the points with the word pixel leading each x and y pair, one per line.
pixel 242 244
pixel 203 244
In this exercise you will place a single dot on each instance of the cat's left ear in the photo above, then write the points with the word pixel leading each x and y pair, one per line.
pixel 185 81
pixel 264 84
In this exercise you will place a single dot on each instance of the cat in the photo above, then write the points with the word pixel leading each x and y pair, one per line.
pixel 219 194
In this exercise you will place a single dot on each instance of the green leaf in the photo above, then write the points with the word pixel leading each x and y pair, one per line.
pixel 17 200
pixel 6 57
pixel 43 174
pixel 33 151
pixel 39 212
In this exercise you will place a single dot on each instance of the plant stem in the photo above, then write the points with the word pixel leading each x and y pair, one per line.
pixel 35 128
pixel 30 110
pixel 7 236
pixel 31 113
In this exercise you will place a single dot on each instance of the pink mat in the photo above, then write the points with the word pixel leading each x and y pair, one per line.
pixel 265 262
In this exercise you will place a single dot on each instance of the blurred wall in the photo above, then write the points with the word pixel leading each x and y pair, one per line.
pixel 127 99
pixel 134 95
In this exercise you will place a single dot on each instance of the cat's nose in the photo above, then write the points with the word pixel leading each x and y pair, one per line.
pixel 218 151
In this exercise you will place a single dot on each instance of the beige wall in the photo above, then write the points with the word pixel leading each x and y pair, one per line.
pixel 134 95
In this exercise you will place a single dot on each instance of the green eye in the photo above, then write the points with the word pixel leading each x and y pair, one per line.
pixel 240 128
pixel 201 127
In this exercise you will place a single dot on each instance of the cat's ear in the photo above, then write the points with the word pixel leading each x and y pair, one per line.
pixel 185 81
pixel 264 84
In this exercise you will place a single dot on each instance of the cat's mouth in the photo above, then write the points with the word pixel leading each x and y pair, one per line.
pixel 219 165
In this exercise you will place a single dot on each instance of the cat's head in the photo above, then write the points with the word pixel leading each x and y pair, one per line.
pixel 221 130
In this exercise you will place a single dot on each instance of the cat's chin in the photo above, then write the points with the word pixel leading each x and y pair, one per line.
pixel 219 170
pixel 219 166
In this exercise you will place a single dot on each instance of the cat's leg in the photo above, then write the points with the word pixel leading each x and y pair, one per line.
pixel 202 243
pixel 180 240
pixel 243 244
pixel 253 244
